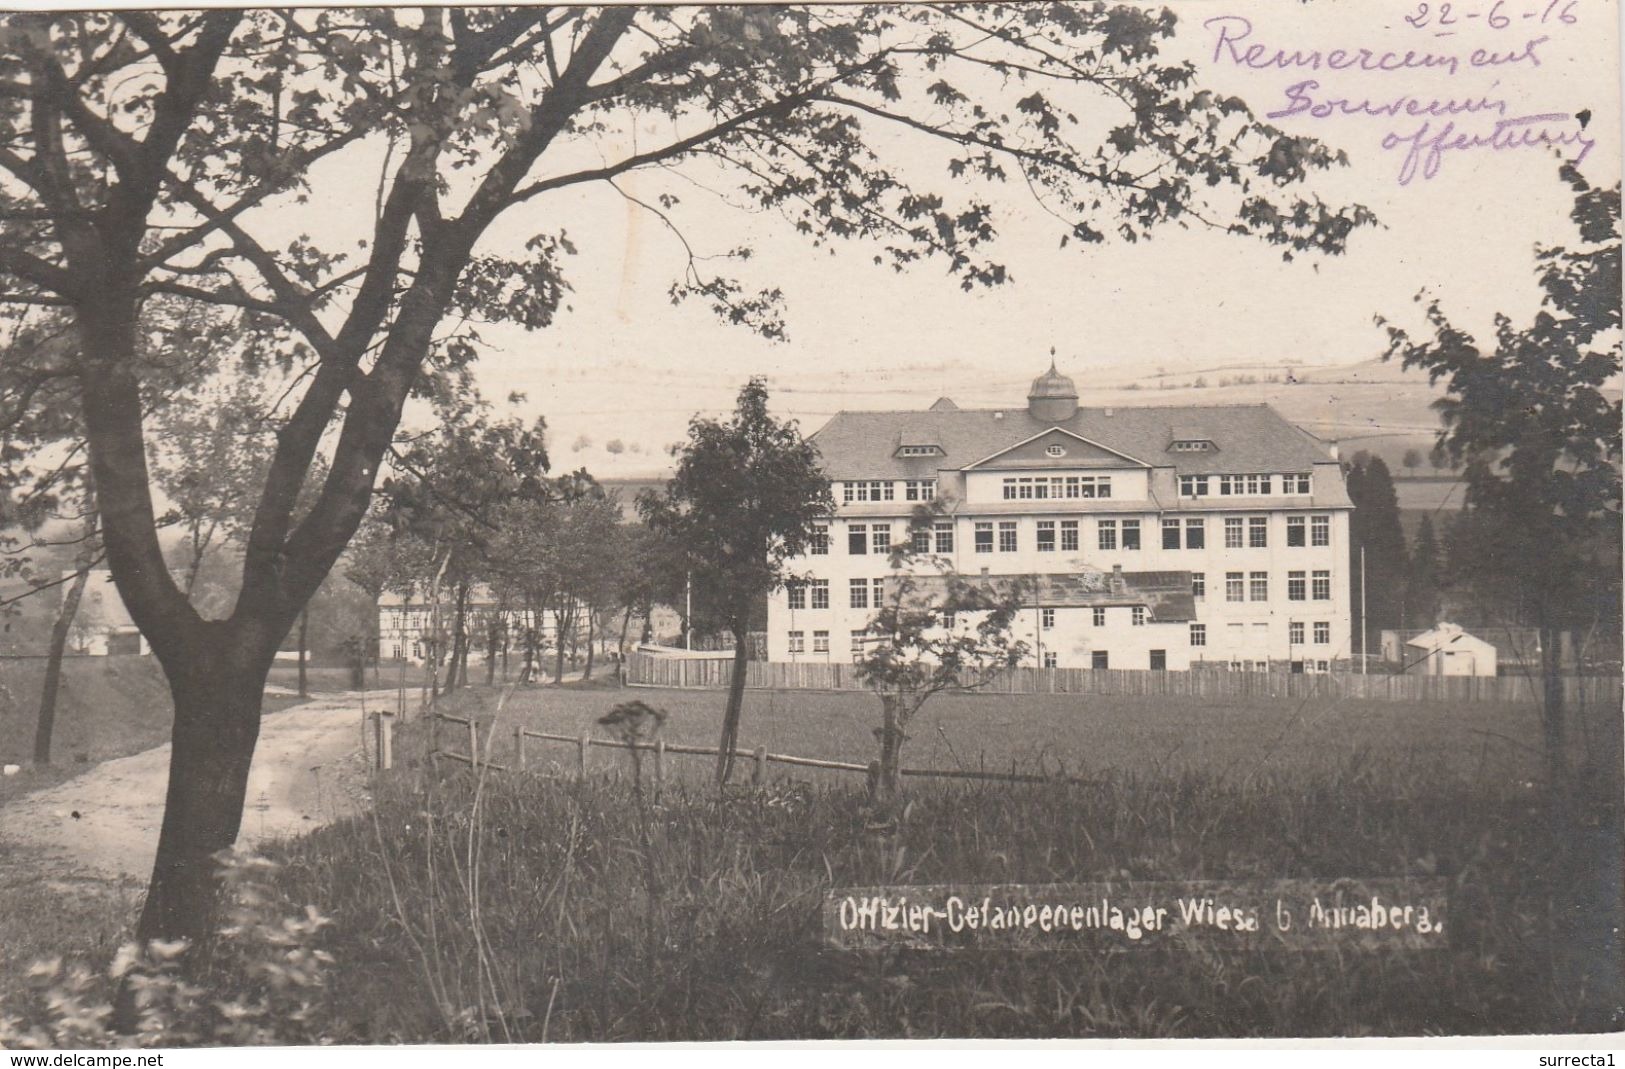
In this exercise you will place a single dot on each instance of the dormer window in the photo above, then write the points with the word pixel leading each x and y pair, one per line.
pixel 919 451
pixel 1055 450
pixel 1192 445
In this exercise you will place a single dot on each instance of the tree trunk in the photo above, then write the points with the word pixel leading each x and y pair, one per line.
pixel 592 635
pixel 1552 712
pixel 736 703
pixel 304 630
pixel 217 721
pixel 891 752
pixel 459 642
pixel 46 725
pixel 559 621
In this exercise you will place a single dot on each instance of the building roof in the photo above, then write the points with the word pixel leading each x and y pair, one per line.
pixel 1052 384
pixel 1248 438
pixel 1445 636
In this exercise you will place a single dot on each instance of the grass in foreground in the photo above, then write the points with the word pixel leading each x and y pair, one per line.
pixel 530 909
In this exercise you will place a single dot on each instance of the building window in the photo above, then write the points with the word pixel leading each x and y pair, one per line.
pixel 1295 532
pixel 1323 632
pixel 918 451
pixel 1047 618
pixel 798 642
pixel 1259 584
pixel 1046 536
pixel 945 537
pixel 1233 586
pixel 984 537
pixel 397 651
pixel 859 638
pixel 1232 532
pixel 920 539
pixel 1320 530
pixel 1295 586
pixel 1235 634
pixel 1294 633
pixel 857 539
pixel 820 593
pixel 1258 532
pixel 1099 660
pixel 1170 534
pixel 848 493
pixel 1294 484
pixel 1098 617
pixel 1049 659
pixel 870 491
pixel 1055 450
pixel 1321 586
pixel 796 594
pixel 820 540
pixel 1322 666
pixel 1131 534
pixel 1069 536
pixel 920 489
pixel 1261 633
pixel 858 592
pixel 1193 486
pixel 1108 534
pixel 820 641
pixel 1047 487
pixel 878 587
pixel 879 489
pixel 1198 585
pixel 1198 634
pixel 1138 618
pixel 1007 536
pixel 880 538
pixel 1195 534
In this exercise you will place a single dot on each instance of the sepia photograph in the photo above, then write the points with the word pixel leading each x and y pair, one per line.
pixel 651 524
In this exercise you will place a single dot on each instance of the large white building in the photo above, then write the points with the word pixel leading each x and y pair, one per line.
pixel 1156 537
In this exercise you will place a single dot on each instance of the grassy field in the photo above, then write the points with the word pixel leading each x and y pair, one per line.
pixel 1068 734
pixel 542 907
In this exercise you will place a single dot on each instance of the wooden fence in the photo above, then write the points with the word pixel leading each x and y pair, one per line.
pixel 760 758
pixel 645 670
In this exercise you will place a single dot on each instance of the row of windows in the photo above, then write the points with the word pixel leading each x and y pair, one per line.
pixel 1258 485
pixel 1238 587
pixel 877 490
pixel 1255 586
pixel 1240 532
pixel 1046 487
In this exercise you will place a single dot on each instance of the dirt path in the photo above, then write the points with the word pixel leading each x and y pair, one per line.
pixel 309 769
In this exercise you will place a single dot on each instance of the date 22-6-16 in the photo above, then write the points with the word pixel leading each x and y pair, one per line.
pixel 1499 17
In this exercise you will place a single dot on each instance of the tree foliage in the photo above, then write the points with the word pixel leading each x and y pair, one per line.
pixel 1531 420
pixel 934 631
pixel 742 504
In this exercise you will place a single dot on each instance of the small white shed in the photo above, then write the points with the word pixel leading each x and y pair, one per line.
pixel 1447 650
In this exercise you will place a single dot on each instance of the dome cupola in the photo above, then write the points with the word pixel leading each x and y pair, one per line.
pixel 1053 398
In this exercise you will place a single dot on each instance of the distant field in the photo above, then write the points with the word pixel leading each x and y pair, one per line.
pixel 1082 735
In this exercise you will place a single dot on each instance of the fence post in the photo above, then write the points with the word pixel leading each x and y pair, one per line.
pixel 582 756
pixel 660 764
pixel 386 740
pixel 473 743
pixel 434 732
pixel 759 774
pixel 519 748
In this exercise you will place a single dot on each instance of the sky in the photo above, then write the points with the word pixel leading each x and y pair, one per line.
pixel 623 364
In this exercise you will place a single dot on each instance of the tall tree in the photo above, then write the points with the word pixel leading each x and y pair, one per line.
pixel 1374 528
pixel 742 504
pixel 934 631
pixel 163 155
pixel 1528 416
pixel 1422 586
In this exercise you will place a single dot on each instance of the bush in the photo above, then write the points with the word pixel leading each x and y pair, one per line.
pixel 263 983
